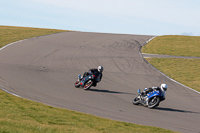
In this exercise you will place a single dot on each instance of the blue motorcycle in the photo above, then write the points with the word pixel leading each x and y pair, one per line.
pixel 151 99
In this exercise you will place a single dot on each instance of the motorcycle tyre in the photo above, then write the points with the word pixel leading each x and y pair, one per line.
pixel 155 104
pixel 77 84
pixel 136 101
pixel 85 87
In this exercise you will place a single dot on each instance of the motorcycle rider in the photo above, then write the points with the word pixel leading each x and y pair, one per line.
pixel 96 72
pixel 163 87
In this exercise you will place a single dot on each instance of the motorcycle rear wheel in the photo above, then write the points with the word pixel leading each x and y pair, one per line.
pixel 153 102
pixel 88 85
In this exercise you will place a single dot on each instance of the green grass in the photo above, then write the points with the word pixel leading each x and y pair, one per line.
pixel 18 115
pixel 10 34
pixel 185 71
pixel 174 45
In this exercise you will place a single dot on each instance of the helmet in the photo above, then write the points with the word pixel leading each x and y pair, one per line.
pixel 100 69
pixel 163 87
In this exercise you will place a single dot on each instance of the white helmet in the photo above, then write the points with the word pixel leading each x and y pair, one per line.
pixel 100 69
pixel 164 87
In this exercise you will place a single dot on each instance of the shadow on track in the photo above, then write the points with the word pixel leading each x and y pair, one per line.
pixel 107 91
pixel 176 110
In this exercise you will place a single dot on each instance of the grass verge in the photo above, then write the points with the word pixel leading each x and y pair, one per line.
pixel 9 34
pixel 21 115
pixel 174 45
pixel 185 71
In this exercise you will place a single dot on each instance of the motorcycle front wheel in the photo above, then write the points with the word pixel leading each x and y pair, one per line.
pixel 88 84
pixel 77 84
pixel 136 100
pixel 153 102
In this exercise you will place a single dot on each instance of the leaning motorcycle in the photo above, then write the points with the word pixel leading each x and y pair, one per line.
pixel 85 82
pixel 151 99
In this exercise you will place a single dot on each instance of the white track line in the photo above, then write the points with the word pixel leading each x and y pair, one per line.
pixel 9 92
pixel 2 49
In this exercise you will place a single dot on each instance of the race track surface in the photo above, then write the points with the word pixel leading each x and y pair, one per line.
pixel 44 69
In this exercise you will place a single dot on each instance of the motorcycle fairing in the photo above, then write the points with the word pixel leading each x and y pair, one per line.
pixel 157 93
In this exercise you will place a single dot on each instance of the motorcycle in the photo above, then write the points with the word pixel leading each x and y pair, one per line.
pixel 85 82
pixel 151 100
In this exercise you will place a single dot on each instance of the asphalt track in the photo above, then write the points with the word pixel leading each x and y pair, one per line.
pixel 44 69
